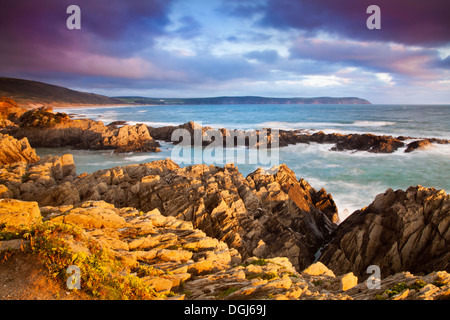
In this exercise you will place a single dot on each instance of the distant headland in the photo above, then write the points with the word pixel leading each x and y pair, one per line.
pixel 32 94
pixel 244 100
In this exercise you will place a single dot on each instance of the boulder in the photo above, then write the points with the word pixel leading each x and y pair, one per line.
pixel 348 281
pixel 19 213
pixel 93 215
pixel 418 145
pixel 318 269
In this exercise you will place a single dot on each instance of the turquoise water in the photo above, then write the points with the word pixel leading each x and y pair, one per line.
pixel 353 178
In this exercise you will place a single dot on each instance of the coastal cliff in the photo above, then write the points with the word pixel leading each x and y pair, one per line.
pixel 243 100
pixel 38 94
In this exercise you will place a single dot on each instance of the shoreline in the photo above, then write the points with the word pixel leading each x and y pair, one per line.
pixel 94 106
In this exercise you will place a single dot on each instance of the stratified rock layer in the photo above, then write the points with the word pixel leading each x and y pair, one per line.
pixel 178 261
pixel 400 231
pixel 267 214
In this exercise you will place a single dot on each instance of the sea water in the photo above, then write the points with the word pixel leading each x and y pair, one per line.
pixel 352 178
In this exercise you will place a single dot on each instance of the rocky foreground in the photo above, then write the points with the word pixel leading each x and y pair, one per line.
pixel 156 230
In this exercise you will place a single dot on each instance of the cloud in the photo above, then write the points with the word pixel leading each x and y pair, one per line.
pixel 200 48
pixel 375 56
pixel 107 26
pixel 264 56
pixel 188 27
pixel 411 22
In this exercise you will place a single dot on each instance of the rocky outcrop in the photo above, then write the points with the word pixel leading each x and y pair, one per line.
pixel 424 144
pixel 44 128
pixel 13 150
pixel 400 231
pixel 417 145
pixel 206 232
pixel 9 111
pixel 254 138
pixel 175 260
pixel 266 214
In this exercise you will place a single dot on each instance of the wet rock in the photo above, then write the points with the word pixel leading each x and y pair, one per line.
pixel 418 145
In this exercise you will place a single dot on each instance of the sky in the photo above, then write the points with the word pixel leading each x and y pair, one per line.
pixel 205 48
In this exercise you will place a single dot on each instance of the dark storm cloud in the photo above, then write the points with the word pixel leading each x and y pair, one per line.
pixel 106 26
pixel 412 22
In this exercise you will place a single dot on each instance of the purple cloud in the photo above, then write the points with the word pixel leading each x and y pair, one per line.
pixel 412 22
pixel 375 56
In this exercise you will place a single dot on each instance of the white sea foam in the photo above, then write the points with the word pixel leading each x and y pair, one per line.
pixel 141 158
pixel 373 123
pixel 153 123
pixel 314 125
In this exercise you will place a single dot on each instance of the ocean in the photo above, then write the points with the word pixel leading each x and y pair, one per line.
pixel 352 178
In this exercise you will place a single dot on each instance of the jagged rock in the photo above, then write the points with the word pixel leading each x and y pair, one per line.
pixel 418 145
pixel 170 266
pixel 267 213
pixel 342 142
pixel 9 111
pixel 400 231
pixel 369 142
pixel 44 128
pixel 13 150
